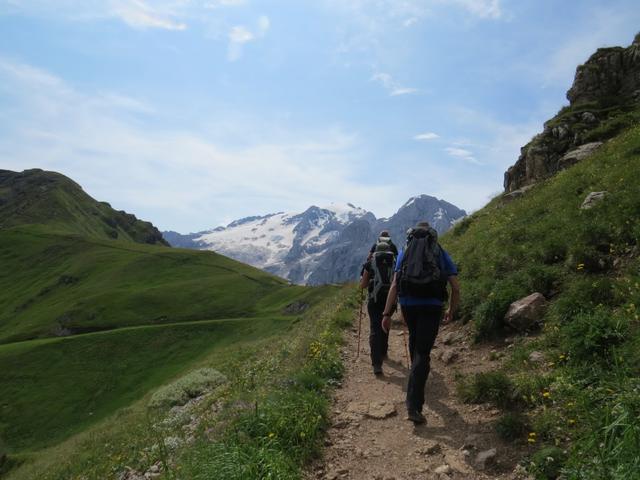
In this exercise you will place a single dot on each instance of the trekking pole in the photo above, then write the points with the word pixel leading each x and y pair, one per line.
pixel 359 323
pixel 406 345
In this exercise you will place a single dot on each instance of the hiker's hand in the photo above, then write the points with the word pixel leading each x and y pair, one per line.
pixel 447 316
pixel 386 323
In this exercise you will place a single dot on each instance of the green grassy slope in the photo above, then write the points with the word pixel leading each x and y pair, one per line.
pixel 37 197
pixel 52 283
pixel 584 398
pixel 94 317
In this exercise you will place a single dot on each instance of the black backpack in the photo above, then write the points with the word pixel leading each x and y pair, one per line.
pixel 420 274
pixel 383 264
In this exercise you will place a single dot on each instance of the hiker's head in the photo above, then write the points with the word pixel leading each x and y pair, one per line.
pixel 423 225
pixel 384 233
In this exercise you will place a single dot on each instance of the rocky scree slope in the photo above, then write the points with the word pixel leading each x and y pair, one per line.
pixel 319 245
pixel 49 198
pixel 604 100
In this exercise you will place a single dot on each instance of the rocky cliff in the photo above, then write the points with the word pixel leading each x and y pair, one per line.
pixel 604 99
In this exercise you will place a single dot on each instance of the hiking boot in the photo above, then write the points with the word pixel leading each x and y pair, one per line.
pixel 377 369
pixel 416 417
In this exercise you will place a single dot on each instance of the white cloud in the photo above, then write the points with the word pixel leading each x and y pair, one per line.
pixel 138 14
pixel 426 136
pixel 485 9
pixel 239 35
pixel 177 178
pixel 462 154
pixel 394 88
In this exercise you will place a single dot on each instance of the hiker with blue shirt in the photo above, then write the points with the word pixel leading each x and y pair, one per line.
pixel 423 271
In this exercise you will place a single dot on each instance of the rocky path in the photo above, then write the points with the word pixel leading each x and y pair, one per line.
pixel 371 439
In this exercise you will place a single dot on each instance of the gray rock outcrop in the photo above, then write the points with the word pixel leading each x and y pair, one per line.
pixel 604 88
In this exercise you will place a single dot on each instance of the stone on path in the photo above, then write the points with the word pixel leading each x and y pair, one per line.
pixel 443 470
pixel 377 410
pixel 448 356
pixel 486 458
pixel 527 312
pixel 381 410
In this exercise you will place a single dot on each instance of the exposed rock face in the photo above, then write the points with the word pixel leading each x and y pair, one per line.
pixel 526 313
pixel 591 200
pixel 610 78
pixel 319 245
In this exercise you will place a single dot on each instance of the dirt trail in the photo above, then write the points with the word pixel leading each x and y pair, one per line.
pixel 370 438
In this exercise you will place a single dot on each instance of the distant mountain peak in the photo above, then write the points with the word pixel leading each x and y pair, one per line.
pixel 321 244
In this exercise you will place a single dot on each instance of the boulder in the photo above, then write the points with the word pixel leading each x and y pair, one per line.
pixel 592 199
pixel 527 312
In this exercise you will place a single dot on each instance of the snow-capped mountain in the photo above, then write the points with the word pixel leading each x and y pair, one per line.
pixel 319 245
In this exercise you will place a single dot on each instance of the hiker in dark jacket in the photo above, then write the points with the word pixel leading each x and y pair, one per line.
pixel 422 305
pixel 385 238
pixel 377 274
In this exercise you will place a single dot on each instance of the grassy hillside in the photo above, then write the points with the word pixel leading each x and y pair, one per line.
pixel 37 197
pixel 95 317
pixel 582 403
pixel 57 284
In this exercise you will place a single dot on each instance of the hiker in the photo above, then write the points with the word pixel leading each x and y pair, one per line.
pixel 377 274
pixel 423 270
pixel 384 237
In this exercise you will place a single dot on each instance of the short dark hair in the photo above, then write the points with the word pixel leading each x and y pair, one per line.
pixel 423 225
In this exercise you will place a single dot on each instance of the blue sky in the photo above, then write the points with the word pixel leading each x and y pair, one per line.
pixel 192 113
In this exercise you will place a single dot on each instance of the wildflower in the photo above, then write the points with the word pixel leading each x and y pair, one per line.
pixel 562 356
pixel 532 437
pixel 580 266
pixel 572 421
pixel 546 395
pixel 271 434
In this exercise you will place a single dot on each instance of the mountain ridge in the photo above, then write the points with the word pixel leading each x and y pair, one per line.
pixel 319 245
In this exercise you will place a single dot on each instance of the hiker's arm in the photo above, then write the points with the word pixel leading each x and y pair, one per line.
pixel 390 306
pixel 364 280
pixel 454 300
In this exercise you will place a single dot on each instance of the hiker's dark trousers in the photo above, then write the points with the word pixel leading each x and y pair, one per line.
pixel 423 322
pixel 378 340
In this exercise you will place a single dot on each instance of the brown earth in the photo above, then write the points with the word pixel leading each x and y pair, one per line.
pixel 371 439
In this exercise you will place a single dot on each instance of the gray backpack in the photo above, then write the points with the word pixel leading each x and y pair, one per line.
pixel 383 263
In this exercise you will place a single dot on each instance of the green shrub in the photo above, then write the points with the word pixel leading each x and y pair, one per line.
pixel 3 454
pixel 240 461
pixel 547 463
pixel 582 295
pixel 512 426
pixel 489 315
pixel 192 385
pixel 528 387
pixel 594 335
pixel 292 420
pixel 494 387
